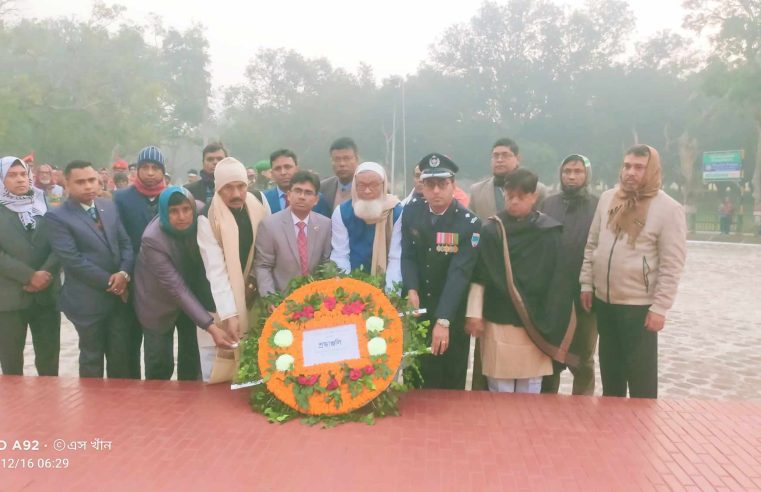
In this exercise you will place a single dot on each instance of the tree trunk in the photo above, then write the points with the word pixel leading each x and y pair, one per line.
pixel 688 154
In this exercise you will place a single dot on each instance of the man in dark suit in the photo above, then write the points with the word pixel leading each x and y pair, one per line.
pixel 294 241
pixel 284 165
pixel 344 161
pixel 97 259
pixel 28 274
pixel 137 206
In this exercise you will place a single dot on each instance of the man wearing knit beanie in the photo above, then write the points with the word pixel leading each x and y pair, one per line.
pixel 226 238
pixel 137 206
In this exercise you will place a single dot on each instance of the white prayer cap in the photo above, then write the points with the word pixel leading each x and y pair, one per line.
pixel 229 170
pixel 371 167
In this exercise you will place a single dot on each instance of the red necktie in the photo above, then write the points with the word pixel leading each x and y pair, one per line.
pixel 303 254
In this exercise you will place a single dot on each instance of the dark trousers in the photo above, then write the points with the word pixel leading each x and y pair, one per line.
pixel 628 352
pixel 107 337
pixel 447 371
pixel 159 352
pixel 134 342
pixel 583 344
pixel 45 325
pixel 725 223
pixel 134 339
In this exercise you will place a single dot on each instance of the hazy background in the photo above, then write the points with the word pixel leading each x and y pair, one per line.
pixel 392 36
pixel 99 81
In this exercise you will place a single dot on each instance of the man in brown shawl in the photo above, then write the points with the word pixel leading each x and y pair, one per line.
pixel 520 303
pixel 633 261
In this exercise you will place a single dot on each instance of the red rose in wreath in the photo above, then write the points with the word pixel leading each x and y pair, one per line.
pixel 330 303
pixel 355 307
pixel 308 380
pixel 355 374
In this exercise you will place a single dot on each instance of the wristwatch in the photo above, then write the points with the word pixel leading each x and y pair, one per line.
pixel 443 322
pixel 125 275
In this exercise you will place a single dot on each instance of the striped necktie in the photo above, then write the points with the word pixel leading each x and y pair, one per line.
pixel 303 253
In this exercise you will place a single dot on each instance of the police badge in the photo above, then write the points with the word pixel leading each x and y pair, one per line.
pixel 434 161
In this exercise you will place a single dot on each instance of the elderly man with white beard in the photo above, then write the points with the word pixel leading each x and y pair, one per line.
pixel 366 229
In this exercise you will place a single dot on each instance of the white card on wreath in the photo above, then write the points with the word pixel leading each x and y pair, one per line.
pixel 334 344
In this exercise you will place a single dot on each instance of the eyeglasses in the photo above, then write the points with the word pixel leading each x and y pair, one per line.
pixel 369 187
pixel 303 192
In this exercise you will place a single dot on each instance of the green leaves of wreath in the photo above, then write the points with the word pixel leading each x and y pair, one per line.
pixel 264 402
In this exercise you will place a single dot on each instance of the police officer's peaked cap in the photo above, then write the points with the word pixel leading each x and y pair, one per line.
pixel 437 166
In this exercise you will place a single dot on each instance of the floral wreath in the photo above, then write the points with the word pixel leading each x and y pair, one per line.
pixel 360 388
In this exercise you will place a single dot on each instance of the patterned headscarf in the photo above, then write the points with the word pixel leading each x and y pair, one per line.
pixel 628 209
pixel 28 206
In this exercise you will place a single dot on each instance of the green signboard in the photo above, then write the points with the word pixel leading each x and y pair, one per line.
pixel 726 165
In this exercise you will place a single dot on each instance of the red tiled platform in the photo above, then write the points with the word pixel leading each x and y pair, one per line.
pixel 186 436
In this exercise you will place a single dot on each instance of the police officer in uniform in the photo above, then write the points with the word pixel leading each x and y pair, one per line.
pixel 439 241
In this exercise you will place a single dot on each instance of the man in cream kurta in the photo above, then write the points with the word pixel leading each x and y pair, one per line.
pixel 226 238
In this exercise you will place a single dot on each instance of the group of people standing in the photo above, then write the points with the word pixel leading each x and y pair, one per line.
pixel 520 283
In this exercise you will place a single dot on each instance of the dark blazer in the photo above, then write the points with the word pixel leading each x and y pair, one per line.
pixel 322 207
pixel 22 253
pixel 135 214
pixel 328 188
pixel 198 190
pixel 89 257
pixel 161 292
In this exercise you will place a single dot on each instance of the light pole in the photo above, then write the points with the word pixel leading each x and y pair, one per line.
pixel 404 142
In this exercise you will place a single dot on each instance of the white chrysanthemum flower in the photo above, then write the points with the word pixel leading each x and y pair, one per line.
pixel 374 323
pixel 283 338
pixel 376 346
pixel 284 362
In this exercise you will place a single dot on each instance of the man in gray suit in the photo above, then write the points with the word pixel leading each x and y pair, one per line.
pixel 487 196
pixel 294 241
pixel 28 274
pixel 97 259
pixel 344 161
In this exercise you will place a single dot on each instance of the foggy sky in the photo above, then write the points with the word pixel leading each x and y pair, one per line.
pixel 393 36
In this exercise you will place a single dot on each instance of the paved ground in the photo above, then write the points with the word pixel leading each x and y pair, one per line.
pixel 709 348
pixel 187 436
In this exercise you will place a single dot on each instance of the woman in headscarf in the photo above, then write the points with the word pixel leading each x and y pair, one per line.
pixel 28 274
pixel 171 289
